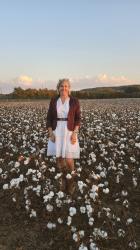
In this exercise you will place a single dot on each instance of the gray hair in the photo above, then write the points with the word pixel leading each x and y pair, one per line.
pixel 60 82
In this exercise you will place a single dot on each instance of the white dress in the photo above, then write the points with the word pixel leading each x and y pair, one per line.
pixel 62 145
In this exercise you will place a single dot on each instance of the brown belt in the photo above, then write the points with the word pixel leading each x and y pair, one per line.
pixel 62 119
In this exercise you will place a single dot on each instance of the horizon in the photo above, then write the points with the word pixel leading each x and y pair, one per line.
pixel 93 43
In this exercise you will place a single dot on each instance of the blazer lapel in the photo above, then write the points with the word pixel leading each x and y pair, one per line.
pixel 70 106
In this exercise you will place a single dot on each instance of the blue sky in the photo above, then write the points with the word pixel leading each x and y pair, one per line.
pixel 93 42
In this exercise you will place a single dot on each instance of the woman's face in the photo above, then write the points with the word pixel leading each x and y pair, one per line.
pixel 64 89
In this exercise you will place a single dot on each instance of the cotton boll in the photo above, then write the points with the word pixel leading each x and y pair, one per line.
pixel 30 170
pixel 81 233
pixel 60 221
pixel 137 145
pixel 126 203
pixel 72 211
pixel 52 169
pixel 58 202
pixel 82 210
pixel 89 209
pixel 39 175
pixel 81 185
pixel 102 174
pixel 93 246
pixel 73 229
pixel 134 181
pixel 26 162
pixel 5 186
pixel 69 220
pixel 106 190
pixel 17 164
pixel 117 179
pixel 124 193
pixel 68 176
pixel 121 233
pixel 58 176
pixel 15 182
pixel 51 225
pixel 48 196
pixel 82 247
pixel 60 194
pixel 75 237
pixel 14 199
pixel 33 213
pixel 49 207
pixel 133 245
pixel 129 221
pixel 91 220
pixel 132 159
pixel 94 188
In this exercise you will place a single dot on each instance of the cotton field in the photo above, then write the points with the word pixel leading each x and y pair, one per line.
pixel 104 212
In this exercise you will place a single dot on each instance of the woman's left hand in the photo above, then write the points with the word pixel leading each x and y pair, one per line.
pixel 73 138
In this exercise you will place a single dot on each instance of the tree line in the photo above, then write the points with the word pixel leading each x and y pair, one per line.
pixel 132 91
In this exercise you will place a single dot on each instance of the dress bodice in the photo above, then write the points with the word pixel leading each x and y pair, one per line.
pixel 62 108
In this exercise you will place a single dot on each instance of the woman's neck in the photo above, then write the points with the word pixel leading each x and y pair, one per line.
pixel 64 97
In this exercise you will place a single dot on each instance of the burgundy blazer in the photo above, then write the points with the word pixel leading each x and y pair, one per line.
pixel 74 114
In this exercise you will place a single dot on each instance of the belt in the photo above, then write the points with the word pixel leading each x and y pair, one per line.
pixel 62 119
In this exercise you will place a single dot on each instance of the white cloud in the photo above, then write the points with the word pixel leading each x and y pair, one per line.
pixel 102 80
pixel 23 80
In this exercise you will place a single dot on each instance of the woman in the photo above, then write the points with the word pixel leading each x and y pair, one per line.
pixel 63 122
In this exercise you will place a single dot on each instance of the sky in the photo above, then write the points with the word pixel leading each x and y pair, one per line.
pixel 94 43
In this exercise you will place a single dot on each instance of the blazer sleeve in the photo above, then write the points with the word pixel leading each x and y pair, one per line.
pixel 77 114
pixel 49 116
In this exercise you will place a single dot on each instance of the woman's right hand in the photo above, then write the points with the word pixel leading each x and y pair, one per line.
pixel 52 137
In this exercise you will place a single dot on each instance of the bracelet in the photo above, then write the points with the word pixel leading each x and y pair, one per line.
pixel 75 131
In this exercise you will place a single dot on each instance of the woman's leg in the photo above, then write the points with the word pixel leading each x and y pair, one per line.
pixel 70 164
pixel 60 162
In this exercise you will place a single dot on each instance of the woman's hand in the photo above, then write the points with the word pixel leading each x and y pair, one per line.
pixel 73 138
pixel 52 137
